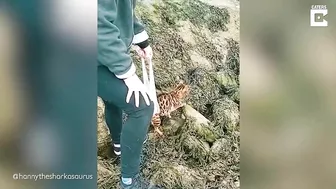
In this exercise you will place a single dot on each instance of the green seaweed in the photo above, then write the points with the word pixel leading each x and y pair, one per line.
pixel 197 12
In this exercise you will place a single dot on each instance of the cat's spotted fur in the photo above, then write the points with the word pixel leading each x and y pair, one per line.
pixel 168 103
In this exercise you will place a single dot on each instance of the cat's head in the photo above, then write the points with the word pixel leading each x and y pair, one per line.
pixel 181 90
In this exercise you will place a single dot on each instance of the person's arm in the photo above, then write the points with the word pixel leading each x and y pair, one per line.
pixel 140 34
pixel 112 51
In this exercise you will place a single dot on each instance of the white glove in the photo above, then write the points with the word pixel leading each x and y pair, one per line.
pixel 135 85
pixel 146 53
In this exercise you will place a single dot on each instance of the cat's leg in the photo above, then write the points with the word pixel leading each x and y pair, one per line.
pixel 156 122
pixel 163 113
pixel 181 104
pixel 158 131
pixel 157 128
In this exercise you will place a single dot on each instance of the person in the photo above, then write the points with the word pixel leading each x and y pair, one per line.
pixel 120 87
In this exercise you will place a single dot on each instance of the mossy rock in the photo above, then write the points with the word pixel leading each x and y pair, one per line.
pixel 235 95
pixel 204 89
pixel 218 148
pixel 208 49
pixel 226 114
pixel 225 79
pixel 200 124
pixel 172 125
pixel 229 84
pixel 196 148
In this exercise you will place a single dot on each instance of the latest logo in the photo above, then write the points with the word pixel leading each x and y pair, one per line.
pixel 317 16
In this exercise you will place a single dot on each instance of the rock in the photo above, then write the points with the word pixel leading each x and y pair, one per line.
pixel 191 112
pixel 173 124
pixel 226 114
pixel 202 125
pixel 224 79
pixel 229 84
pixel 235 96
pixel 196 147
pixel 218 147
pixel 204 88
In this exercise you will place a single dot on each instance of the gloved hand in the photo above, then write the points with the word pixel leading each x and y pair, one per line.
pixel 145 53
pixel 135 85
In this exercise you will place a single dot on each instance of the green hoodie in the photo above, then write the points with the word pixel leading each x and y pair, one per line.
pixel 118 29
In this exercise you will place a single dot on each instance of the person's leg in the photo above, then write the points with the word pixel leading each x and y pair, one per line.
pixel 113 117
pixel 114 90
pixel 114 121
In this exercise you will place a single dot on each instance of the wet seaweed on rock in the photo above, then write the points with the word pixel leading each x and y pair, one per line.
pixel 226 115
pixel 208 49
pixel 197 12
pixel 204 89
pixel 233 59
